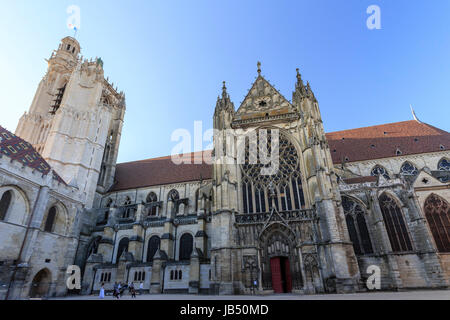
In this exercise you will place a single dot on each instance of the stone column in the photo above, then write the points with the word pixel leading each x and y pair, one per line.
pixel 155 280
pixel 136 242
pixel 194 273
pixel 106 245
pixel 339 253
pixel 35 224
pixel 201 237
pixel 221 251
pixel 89 273
pixel 122 269
pixel 433 271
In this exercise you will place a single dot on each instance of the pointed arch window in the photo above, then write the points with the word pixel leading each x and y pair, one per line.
pixel 408 169
pixel 186 246
pixel 127 210
pixel 50 222
pixel 286 182
pixel 5 203
pixel 123 247
pixel 173 197
pixel 357 227
pixel 437 212
pixel 153 246
pixel 152 199
pixel 444 165
pixel 395 224
pixel 380 171
pixel 93 246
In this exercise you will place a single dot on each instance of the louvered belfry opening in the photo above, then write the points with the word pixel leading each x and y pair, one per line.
pixel 58 99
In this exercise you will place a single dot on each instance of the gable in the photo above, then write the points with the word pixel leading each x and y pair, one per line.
pixel 426 180
pixel 262 100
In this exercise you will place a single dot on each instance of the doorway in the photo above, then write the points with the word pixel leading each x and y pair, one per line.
pixel 281 275
pixel 40 284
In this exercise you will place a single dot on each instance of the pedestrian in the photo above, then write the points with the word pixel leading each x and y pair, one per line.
pixel 117 287
pixel 102 291
pixel 141 288
pixel 133 291
pixel 115 290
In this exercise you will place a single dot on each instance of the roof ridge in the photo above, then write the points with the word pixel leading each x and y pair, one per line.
pixel 167 157
pixel 372 126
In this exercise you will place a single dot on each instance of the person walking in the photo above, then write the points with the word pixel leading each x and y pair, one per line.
pixel 116 291
pixel 132 290
pixel 141 288
pixel 119 290
pixel 102 291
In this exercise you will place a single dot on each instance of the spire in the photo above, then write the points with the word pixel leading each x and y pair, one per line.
pixel 259 68
pixel 224 91
pixel 300 84
pixel 224 102
pixel 414 114
pixel 309 91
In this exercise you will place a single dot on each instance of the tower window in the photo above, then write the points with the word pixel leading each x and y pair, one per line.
pixel 58 99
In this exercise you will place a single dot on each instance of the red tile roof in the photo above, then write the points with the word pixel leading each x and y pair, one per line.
pixel 22 151
pixel 383 141
pixel 160 171
pixel 376 142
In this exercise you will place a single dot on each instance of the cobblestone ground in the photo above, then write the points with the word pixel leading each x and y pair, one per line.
pixel 404 295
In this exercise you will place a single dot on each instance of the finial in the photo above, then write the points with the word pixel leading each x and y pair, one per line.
pixel 224 90
pixel 414 114
pixel 259 67
pixel 299 78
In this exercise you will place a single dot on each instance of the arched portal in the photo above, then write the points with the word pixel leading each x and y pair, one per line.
pixel 280 264
pixel 40 284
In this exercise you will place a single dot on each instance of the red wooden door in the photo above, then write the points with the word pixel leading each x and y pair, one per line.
pixel 287 272
pixel 275 268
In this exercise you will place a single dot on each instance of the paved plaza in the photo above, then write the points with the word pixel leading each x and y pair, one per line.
pixel 403 295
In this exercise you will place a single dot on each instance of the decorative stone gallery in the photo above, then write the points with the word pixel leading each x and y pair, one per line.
pixel 336 204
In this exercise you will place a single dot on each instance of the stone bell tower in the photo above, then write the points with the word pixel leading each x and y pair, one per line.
pixel 75 120
pixel 340 268
pixel 225 196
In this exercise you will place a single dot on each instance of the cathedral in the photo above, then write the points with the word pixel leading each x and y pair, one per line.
pixel 223 221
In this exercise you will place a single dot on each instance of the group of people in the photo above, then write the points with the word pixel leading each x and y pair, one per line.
pixel 118 290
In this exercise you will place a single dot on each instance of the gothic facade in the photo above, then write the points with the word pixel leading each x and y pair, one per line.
pixel 222 221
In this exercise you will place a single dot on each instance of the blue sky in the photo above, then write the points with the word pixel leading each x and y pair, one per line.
pixel 170 58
